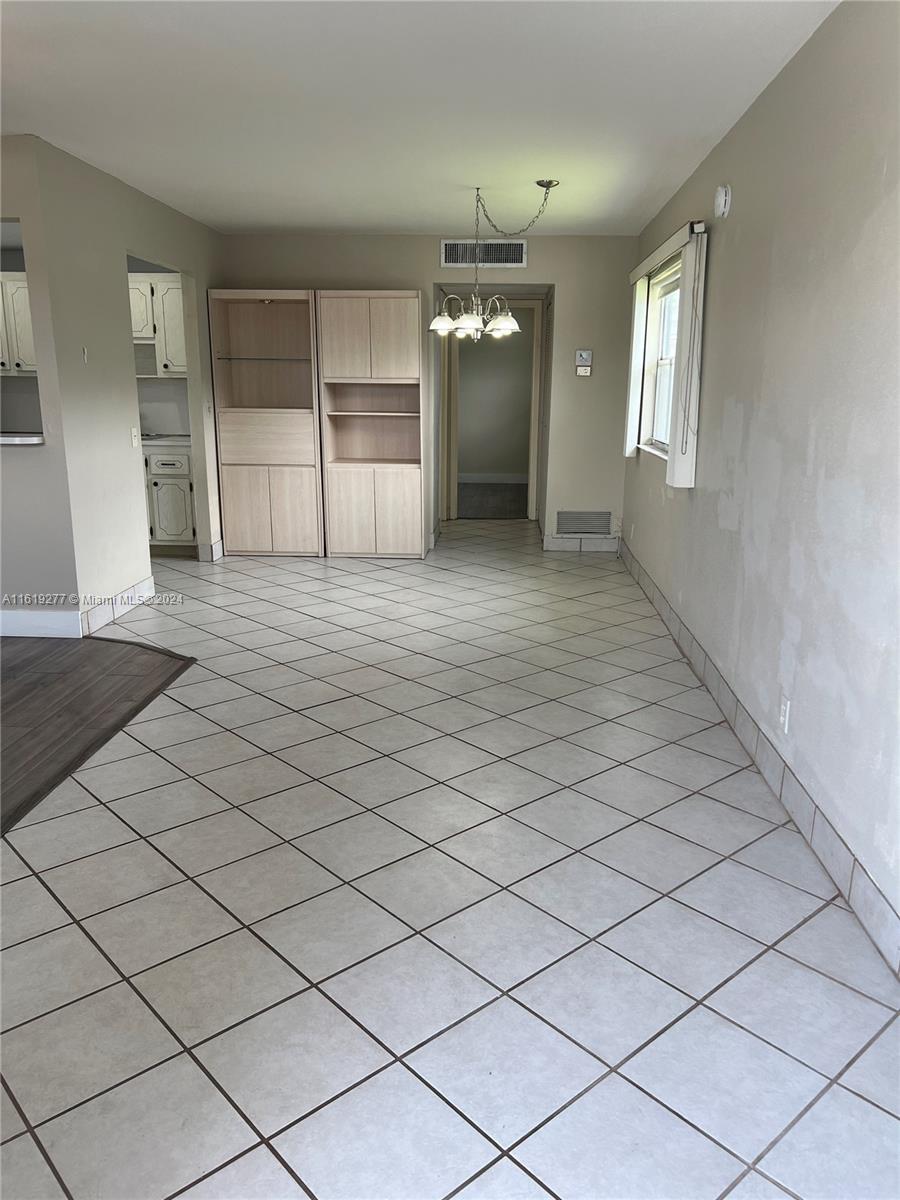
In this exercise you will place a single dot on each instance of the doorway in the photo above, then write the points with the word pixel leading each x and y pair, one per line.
pixel 491 421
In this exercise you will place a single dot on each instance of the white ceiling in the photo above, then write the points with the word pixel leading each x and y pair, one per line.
pixel 382 117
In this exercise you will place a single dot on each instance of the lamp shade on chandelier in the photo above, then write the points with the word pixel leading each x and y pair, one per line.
pixel 475 317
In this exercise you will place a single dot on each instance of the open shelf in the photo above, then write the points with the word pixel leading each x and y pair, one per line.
pixel 263 352
pixel 348 412
pixel 375 462
pixel 378 383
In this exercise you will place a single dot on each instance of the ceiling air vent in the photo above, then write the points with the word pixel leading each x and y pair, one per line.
pixel 584 523
pixel 498 252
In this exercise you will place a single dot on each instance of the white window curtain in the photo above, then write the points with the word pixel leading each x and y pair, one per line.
pixel 690 243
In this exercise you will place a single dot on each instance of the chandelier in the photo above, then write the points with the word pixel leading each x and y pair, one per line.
pixel 477 317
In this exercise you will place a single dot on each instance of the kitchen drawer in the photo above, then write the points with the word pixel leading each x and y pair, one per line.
pixel 173 462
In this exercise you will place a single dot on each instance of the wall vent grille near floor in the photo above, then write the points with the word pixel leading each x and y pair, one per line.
pixel 494 252
pixel 583 522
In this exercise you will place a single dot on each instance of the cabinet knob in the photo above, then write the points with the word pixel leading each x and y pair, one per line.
pixel 165 366
pixel 156 483
pixel 18 364
pixel 2 362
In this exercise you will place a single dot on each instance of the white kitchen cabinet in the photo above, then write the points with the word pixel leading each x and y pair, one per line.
pixel 140 297
pixel 168 311
pixel 171 509
pixel 5 360
pixel 157 324
pixel 170 500
pixel 17 314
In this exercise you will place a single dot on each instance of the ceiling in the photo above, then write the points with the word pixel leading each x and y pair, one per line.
pixel 382 117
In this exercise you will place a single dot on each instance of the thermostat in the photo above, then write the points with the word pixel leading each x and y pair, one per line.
pixel 583 361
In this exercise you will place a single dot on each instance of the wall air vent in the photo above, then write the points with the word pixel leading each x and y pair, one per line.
pixel 496 252
pixel 586 523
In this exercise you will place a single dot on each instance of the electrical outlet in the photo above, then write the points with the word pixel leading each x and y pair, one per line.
pixel 784 713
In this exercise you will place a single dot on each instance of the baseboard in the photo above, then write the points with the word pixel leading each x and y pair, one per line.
pixel 578 544
pixel 875 912
pixel 113 607
pixel 207 552
pixel 40 622
pixel 517 479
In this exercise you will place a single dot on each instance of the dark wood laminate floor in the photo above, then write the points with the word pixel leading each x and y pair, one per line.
pixel 61 700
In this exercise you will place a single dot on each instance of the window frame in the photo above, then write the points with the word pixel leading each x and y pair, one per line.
pixel 690 242
pixel 665 280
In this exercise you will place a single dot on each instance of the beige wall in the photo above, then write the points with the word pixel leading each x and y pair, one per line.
pixel 784 558
pixel 78 225
pixel 586 469
pixel 36 542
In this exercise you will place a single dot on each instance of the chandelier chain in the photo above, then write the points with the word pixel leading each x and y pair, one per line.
pixel 479 204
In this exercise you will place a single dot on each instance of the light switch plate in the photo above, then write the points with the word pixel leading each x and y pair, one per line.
pixel 584 358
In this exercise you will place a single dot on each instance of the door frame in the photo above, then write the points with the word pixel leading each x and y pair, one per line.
pixel 449 381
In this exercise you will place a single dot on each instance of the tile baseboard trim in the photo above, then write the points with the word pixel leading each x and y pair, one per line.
pixel 207 552
pixel 874 911
pixel 588 544
pixel 93 619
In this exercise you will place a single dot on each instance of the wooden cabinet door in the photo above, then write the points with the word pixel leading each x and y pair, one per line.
pixel 246 513
pixel 140 297
pixel 173 511
pixel 398 510
pixel 295 510
pixel 168 311
pixel 18 326
pixel 344 337
pixel 395 337
pixel 351 510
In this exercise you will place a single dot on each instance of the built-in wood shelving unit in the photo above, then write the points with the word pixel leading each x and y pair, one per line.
pixel 372 422
pixel 267 416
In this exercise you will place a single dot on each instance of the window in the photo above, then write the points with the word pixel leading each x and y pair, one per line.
pixel 664 372
pixel 659 361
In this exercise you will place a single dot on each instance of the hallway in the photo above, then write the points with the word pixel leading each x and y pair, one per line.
pixel 432 878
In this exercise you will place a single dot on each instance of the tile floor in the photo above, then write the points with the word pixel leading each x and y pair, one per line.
pixel 432 879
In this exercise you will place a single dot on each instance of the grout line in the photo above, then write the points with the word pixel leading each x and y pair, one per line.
pixel 422 932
